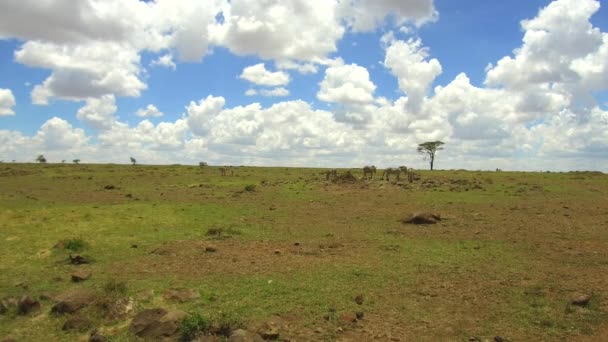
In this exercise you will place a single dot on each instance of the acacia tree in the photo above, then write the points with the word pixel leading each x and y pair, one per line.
pixel 41 159
pixel 429 148
pixel 76 161
pixel 133 161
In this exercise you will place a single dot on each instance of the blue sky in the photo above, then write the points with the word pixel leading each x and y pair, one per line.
pixel 372 95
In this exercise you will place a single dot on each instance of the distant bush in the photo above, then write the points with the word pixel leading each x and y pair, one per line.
pixel 250 187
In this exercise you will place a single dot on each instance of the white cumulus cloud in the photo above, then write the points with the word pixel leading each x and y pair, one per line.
pixel 7 102
pixel 259 75
pixel 149 112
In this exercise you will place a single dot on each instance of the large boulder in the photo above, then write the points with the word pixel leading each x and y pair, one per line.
pixel 73 300
pixel 157 323
pixel 241 335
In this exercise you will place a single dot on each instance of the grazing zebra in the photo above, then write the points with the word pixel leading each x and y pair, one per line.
pixel 331 174
pixel 369 170
pixel 394 171
pixel 411 174
pixel 224 171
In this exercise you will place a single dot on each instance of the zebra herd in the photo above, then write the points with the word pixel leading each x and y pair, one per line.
pixel 369 171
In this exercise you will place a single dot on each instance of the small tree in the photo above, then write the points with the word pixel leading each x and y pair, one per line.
pixel 41 159
pixel 429 148
pixel 76 161
pixel 133 161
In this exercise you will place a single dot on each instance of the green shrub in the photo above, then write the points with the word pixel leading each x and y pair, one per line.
pixel 193 325
pixel 75 245
pixel 250 187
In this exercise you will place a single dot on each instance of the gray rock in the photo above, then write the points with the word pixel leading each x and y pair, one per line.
pixel 241 335
pixel 27 305
pixel 157 323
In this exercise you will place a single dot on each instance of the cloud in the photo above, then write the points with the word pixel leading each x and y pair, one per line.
pixel 275 92
pixel 346 84
pixel 165 61
pixel 366 15
pixel 7 102
pixel 58 134
pixel 149 112
pixel 259 75
pixel 98 113
pixel 83 71
pixel 408 61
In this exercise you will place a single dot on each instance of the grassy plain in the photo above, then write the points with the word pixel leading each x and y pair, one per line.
pixel 511 251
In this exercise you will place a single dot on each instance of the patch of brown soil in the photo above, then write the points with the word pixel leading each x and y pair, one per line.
pixel 191 258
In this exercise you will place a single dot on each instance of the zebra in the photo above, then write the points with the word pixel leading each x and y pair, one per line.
pixel 394 171
pixel 369 170
pixel 331 174
pixel 224 171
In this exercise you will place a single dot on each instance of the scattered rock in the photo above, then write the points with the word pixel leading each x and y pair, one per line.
pixel 145 295
pixel 499 339
pixel 109 187
pixel 80 275
pixel 348 318
pixel 79 260
pixel 27 305
pixel 474 339
pixel 156 323
pixel 77 323
pixel 296 244
pixel 581 300
pixel 269 331
pixel 359 299
pixel 8 303
pixel 277 252
pixel 181 295
pixel 210 249
pixel 359 314
pixel 422 218
pixel 74 300
pixel 96 337
pixel 241 335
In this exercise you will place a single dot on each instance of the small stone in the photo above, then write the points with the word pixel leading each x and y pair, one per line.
pixel 499 339
pixel 27 305
pixel 277 252
pixel 97 338
pixel 80 275
pixel 581 300
pixel 210 249
pixel 359 314
pixel 318 330
pixel 474 339
pixel 296 244
pixel 359 299
pixel 73 301
pixel 181 295
pixel 79 260
pixel 339 330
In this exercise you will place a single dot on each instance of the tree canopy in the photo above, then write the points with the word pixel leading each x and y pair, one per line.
pixel 429 148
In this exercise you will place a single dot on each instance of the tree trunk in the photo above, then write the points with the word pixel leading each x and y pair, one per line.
pixel 432 160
